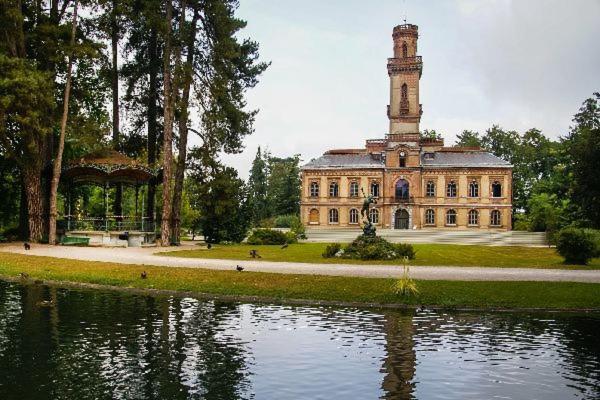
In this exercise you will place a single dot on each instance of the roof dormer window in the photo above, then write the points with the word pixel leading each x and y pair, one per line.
pixel 429 156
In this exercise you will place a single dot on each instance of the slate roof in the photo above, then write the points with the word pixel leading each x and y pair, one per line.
pixel 447 159
pixel 355 161
pixel 464 159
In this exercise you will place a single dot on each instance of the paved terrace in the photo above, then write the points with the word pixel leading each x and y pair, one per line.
pixel 440 236
pixel 147 256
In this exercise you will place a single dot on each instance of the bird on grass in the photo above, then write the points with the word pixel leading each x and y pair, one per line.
pixel 285 246
pixel 239 268
pixel 24 275
pixel 254 254
pixel 144 275
pixel 209 246
pixel 27 246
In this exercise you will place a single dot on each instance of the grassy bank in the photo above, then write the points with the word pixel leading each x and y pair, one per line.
pixel 427 254
pixel 550 295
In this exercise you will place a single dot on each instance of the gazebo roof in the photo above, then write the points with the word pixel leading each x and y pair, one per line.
pixel 108 166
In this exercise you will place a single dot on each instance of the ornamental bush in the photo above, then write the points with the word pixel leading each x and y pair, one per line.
pixel 271 236
pixel 331 250
pixel 377 248
pixel 576 245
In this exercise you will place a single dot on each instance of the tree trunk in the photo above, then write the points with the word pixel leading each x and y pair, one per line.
pixel 152 115
pixel 183 131
pixel 114 39
pixel 165 227
pixel 23 213
pixel 57 165
pixel 32 173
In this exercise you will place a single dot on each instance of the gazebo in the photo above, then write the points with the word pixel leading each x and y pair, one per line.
pixel 108 169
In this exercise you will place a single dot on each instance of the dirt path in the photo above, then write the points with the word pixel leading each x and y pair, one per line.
pixel 146 256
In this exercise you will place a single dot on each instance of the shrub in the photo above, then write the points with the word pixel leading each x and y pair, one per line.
pixel 285 221
pixel 405 250
pixel 576 245
pixel 298 228
pixel 270 236
pixel 405 285
pixel 377 248
pixel 331 250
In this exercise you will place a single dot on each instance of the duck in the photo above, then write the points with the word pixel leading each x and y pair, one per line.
pixel 24 275
pixel 144 275
pixel 46 303
pixel 239 268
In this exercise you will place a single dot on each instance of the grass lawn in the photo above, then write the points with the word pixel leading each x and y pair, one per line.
pixel 550 295
pixel 427 254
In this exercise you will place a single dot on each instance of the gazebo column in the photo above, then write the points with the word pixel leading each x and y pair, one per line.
pixel 137 194
pixel 106 206
pixel 68 207
pixel 143 207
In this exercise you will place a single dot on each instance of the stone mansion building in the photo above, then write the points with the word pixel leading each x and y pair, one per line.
pixel 417 181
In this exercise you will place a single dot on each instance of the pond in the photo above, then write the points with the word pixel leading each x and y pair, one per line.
pixel 111 345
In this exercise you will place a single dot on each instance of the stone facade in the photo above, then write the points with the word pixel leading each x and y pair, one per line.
pixel 417 181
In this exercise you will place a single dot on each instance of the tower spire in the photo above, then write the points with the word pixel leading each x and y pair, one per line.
pixel 404 70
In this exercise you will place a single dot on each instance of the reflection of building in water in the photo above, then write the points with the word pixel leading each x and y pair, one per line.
pixel 400 363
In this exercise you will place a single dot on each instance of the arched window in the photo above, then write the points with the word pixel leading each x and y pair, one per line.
pixel 334 189
pixel 402 159
pixel 402 191
pixel 353 189
pixel 374 215
pixel 430 189
pixel 334 216
pixel 353 216
pixel 451 189
pixel 313 217
pixel 473 217
pixel 404 92
pixel 495 218
pixel 314 189
pixel 374 189
pixel 496 189
pixel 473 189
pixel 404 50
pixel 429 217
pixel 451 217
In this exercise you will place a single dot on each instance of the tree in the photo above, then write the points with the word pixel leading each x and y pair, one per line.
pixel 431 134
pixel 221 201
pixel 168 116
pixel 468 139
pixel 189 35
pixel 583 147
pixel 56 167
pixel 257 189
pixel 284 185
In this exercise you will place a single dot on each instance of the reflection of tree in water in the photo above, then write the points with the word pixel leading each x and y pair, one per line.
pixel 399 365
pixel 107 345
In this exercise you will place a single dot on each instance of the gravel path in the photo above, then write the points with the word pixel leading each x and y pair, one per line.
pixel 146 256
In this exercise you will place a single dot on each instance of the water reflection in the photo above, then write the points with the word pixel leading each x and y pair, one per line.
pixel 102 345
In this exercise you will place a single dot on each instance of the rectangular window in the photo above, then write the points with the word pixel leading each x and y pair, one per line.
pixel 353 189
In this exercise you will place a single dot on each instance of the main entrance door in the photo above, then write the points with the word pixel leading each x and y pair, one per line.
pixel 401 219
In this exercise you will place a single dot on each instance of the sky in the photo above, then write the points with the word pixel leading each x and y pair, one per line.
pixel 519 64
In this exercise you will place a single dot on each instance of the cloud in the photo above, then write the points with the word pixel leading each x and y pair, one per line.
pixel 520 64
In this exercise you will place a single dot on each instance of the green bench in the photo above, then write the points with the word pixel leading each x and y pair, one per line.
pixel 75 241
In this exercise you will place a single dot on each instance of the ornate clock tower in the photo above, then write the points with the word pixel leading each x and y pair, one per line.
pixel 404 70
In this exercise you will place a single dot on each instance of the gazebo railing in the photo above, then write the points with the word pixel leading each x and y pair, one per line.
pixel 109 223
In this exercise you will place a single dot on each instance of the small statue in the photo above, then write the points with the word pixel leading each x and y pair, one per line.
pixel 368 227
pixel 364 212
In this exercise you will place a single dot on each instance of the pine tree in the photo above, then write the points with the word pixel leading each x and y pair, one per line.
pixel 257 189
